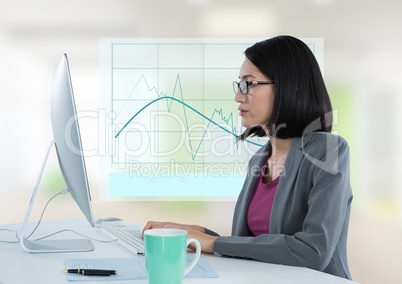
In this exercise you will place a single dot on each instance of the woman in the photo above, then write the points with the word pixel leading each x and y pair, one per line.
pixel 295 203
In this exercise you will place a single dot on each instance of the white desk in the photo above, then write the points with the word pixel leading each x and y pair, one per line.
pixel 20 267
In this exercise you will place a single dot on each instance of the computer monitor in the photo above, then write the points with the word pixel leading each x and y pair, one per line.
pixel 67 142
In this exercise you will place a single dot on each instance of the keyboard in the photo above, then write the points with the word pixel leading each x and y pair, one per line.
pixel 129 237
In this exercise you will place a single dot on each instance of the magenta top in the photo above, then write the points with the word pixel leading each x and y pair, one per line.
pixel 259 209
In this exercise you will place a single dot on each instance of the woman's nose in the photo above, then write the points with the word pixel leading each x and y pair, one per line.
pixel 239 97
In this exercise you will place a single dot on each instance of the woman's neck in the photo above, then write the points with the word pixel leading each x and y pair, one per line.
pixel 276 162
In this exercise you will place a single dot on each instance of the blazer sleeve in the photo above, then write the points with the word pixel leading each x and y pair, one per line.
pixel 327 215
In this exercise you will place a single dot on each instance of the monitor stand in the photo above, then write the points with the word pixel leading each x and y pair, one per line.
pixel 50 246
pixel 47 246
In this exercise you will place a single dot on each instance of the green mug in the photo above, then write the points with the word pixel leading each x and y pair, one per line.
pixel 165 255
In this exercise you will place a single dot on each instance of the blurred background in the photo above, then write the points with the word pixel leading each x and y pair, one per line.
pixel 362 69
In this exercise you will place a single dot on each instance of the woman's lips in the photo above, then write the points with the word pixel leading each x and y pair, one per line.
pixel 242 111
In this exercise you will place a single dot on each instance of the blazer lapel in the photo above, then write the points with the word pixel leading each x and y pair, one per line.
pixel 286 182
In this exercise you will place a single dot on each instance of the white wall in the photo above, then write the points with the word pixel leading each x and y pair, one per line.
pixel 362 54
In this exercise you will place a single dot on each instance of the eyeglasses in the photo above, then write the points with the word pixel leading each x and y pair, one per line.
pixel 243 85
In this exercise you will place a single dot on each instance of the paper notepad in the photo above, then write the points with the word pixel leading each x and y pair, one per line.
pixel 130 268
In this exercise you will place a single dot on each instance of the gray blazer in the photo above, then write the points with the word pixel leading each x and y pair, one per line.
pixel 310 214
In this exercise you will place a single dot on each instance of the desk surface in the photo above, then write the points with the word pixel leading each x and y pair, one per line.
pixel 18 266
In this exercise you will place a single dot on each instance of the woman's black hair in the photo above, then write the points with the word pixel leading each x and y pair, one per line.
pixel 301 103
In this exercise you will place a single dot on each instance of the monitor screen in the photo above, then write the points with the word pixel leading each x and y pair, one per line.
pixel 66 135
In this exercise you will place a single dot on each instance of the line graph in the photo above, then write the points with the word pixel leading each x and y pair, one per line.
pixel 217 118
pixel 171 126
pixel 169 101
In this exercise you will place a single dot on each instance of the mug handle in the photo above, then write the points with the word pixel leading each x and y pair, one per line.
pixel 197 254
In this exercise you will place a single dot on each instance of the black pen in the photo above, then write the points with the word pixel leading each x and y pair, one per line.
pixel 92 272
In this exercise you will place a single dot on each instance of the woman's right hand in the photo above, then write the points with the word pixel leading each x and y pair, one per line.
pixel 155 225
